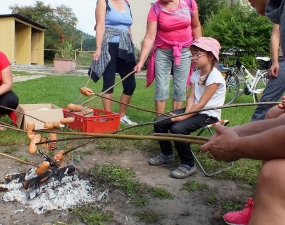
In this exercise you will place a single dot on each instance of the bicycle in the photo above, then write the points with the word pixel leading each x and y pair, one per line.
pixel 253 85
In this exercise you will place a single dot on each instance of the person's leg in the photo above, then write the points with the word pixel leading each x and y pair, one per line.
pixel 272 92
pixel 163 63
pixel 180 76
pixel 274 112
pixel 109 77
pixel 269 201
pixel 185 127
pixel 129 84
pixel 10 100
pixel 164 126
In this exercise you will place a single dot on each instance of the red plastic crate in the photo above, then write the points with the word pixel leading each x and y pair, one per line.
pixel 102 121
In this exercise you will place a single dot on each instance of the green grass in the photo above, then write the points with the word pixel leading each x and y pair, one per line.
pixel 149 217
pixel 62 90
pixel 92 215
pixel 123 178
pixel 195 186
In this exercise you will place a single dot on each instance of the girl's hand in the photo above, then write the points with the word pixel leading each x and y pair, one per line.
pixel 96 54
pixel 176 119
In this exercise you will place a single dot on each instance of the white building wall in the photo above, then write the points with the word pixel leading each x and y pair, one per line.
pixel 140 9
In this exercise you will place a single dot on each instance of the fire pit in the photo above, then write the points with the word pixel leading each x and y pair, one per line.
pixel 55 190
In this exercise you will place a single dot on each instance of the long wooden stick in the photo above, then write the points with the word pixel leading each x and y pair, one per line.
pixel 128 137
pixel 129 74
pixel 19 160
pixel 129 105
pixel 11 127
pixel 4 107
pixel 197 111
pixel 181 136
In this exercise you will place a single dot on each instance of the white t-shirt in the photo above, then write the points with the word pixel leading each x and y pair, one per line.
pixel 218 98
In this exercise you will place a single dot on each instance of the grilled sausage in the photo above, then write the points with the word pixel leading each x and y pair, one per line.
pixel 33 147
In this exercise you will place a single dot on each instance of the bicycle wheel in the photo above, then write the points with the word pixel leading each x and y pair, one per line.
pixel 259 86
pixel 232 85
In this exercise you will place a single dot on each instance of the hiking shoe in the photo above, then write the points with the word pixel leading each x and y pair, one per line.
pixel 183 171
pixel 126 120
pixel 241 217
pixel 161 159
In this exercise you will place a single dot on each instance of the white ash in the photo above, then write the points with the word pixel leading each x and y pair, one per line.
pixel 53 194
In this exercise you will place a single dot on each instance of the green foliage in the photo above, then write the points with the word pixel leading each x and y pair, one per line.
pixel 65 51
pixel 206 8
pixel 59 20
pixel 241 27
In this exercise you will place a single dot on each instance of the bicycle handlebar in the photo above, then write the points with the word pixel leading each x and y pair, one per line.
pixel 234 51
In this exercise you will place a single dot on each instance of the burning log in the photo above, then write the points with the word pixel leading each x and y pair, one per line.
pixel 19 177
pixel 57 173
pixel 2 189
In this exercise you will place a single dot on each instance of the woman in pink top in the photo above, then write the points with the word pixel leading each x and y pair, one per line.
pixel 7 97
pixel 172 25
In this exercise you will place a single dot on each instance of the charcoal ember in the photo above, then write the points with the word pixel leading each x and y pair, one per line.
pixel 57 173
pixel 36 181
pixel 19 177
pixel 2 189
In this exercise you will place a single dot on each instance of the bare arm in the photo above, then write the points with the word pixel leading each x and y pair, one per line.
pixel 147 44
pixel 195 25
pixel 257 126
pixel 7 80
pixel 205 98
pixel 274 46
pixel 226 145
pixel 100 14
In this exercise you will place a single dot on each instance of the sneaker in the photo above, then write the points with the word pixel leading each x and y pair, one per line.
pixel 183 171
pixel 161 159
pixel 126 120
pixel 241 217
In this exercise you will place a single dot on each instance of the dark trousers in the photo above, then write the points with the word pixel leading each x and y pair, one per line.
pixel 183 127
pixel 273 91
pixel 10 100
pixel 119 65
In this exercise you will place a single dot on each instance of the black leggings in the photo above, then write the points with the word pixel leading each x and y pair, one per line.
pixel 118 65
pixel 10 100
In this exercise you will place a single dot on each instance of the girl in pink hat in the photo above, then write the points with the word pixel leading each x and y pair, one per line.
pixel 208 89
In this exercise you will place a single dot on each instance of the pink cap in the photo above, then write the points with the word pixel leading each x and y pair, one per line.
pixel 208 44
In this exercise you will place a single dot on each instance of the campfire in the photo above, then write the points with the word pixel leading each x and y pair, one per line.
pixel 60 189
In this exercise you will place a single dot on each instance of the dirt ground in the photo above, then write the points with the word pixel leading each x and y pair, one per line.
pixel 186 208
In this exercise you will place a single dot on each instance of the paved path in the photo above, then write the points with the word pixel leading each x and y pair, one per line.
pixel 24 78
pixel 42 71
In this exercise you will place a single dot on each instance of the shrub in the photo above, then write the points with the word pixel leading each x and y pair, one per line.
pixel 241 27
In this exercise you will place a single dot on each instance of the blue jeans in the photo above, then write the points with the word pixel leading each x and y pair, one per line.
pixel 273 92
pixel 183 127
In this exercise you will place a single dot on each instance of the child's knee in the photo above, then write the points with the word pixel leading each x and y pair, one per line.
pixel 272 173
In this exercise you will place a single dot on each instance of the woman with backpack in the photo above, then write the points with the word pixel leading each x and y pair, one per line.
pixel 172 25
pixel 114 52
